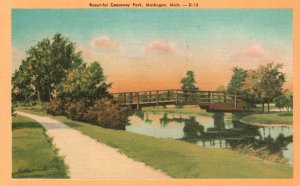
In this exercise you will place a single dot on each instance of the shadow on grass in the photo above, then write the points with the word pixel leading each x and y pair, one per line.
pixel 24 124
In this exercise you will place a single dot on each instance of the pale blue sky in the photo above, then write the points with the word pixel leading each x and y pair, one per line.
pixel 29 25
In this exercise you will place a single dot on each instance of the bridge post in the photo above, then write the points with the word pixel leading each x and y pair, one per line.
pixel 138 101
pixel 176 96
pixel 235 105
pixel 211 99
pixel 130 95
pixel 157 97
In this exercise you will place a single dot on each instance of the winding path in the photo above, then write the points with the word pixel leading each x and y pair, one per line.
pixel 89 159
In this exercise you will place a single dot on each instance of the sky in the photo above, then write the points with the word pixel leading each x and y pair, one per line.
pixel 149 49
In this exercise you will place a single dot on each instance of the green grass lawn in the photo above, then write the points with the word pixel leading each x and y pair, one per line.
pixel 180 159
pixel 36 109
pixel 33 155
pixel 269 118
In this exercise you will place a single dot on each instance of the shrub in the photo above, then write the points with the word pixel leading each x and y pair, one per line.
pixel 107 114
pixel 76 109
pixel 55 107
pixel 102 112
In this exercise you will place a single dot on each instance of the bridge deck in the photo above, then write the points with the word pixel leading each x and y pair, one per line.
pixel 209 100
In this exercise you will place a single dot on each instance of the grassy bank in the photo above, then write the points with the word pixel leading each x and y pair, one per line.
pixel 180 159
pixel 33 155
pixel 269 118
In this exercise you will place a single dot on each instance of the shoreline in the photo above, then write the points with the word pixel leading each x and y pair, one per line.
pixel 266 125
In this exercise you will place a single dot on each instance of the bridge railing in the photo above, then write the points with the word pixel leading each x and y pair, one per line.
pixel 177 97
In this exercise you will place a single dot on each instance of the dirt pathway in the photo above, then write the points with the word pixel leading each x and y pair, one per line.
pixel 88 158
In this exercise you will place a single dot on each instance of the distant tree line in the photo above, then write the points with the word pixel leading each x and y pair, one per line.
pixel 257 86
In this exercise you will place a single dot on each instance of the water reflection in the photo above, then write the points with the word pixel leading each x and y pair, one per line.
pixel 214 132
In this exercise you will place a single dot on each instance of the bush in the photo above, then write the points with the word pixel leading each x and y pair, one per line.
pixel 101 112
pixel 107 114
pixel 76 109
pixel 55 107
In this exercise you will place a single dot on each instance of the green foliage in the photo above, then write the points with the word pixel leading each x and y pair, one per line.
pixel 260 85
pixel 237 80
pixel 34 156
pixel 252 94
pixel 188 82
pixel 46 64
pixel 22 87
pixel 284 101
pixel 85 81
pixel 271 81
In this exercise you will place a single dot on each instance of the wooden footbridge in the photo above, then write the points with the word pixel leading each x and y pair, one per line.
pixel 209 100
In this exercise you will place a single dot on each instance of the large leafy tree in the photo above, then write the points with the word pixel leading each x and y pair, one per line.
pixel 46 64
pixel 264 84
pixel 271 81
pixel 86 81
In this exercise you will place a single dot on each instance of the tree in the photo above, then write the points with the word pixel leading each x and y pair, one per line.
pixel 284 101
pixel 271 81
pixel 46 64
pixel 237 80
pixel 263 84
pixel 86 81
pixel 188 82
pixel 250 90
pixel 22 86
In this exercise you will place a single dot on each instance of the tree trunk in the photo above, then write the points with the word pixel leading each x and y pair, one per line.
pixel 263 106
pixel 30 102
pixel 49 95
pixel 26 100
pixel 39 97
pixel 268 106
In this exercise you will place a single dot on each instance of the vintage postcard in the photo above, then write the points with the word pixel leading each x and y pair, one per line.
pixel 150 93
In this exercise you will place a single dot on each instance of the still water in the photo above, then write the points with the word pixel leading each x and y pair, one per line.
pixel 213 132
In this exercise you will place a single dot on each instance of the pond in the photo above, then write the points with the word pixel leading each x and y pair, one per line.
pixel 213 132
